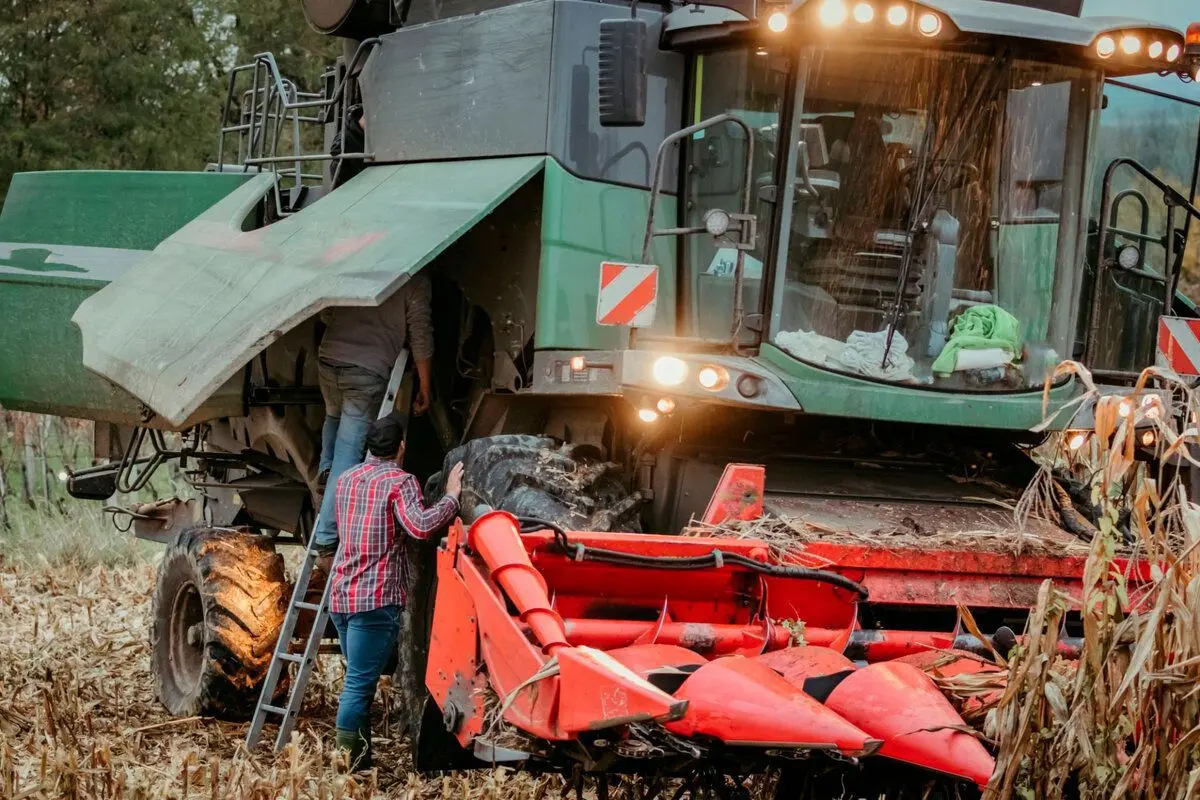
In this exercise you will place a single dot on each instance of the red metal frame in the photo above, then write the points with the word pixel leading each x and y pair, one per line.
pixel 571 646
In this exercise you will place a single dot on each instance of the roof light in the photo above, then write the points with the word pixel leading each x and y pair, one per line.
pixel 1106 46
pixel 1130 44
pixel 1173 52
pixel 665 405
pixel 1155 50
pixel 778 21
pixel 864 13
pixel 669 370
pixel 929 24
pixel 647 415
pixel 1148 439
pixel 897 15
pixel 1077 441
pixel 1193 34
pixel 833 13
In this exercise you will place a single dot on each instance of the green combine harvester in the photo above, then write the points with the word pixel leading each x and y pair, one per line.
pixel 847 239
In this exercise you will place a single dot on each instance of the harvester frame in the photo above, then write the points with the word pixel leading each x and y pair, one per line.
pixel 587 426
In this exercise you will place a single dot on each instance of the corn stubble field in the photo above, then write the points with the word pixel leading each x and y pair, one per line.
pixel 78 717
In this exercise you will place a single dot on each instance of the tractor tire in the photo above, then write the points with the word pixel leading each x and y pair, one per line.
pixel 528 476
pixel 537 477
pixel 218 606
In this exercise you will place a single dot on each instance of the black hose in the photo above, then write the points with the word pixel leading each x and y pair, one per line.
pixel 714 560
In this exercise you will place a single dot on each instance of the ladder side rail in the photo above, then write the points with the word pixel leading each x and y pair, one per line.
pixel 281 654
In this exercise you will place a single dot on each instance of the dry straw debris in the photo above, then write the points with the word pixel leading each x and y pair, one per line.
pixel 78 717
pixel 1124 721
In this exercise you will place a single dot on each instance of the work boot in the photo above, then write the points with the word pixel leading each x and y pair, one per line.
pixel 357 746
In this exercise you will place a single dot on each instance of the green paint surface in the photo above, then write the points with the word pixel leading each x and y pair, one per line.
pixel 831 393
pixel 87 214
pixel 585 223
pixel 131 210
pixel 213 295
pixel 1025 276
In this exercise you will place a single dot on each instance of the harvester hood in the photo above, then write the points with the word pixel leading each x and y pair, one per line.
pixel 186 318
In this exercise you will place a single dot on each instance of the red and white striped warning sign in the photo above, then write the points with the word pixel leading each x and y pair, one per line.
pixel 1179 344
pixel 628 294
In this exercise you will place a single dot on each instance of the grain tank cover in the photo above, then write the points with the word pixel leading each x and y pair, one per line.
pixel 186 318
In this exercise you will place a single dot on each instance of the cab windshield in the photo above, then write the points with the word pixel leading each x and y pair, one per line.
pixel 924 239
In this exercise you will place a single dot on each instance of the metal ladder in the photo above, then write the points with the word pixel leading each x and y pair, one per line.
pixel 283 655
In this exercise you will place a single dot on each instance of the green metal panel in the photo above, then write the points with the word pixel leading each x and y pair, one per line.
pixel 831 393
pixel 212 296
pixel 1025 276
pixel 131 210
pixel 64 235
pixel 583 224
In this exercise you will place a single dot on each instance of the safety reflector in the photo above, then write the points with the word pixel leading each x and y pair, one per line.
pixel 628 294
pixel 1179 345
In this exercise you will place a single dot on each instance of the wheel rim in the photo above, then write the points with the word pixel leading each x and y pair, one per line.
pixel 187 638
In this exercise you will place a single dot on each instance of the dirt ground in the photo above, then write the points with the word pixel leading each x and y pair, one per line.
pixel 78 716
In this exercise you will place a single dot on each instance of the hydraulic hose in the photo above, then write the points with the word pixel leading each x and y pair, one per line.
pixel 717 559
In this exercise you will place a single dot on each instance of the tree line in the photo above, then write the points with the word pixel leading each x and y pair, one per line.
pixel 134 84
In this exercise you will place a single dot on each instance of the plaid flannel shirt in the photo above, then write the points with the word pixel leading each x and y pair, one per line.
pixel 371 567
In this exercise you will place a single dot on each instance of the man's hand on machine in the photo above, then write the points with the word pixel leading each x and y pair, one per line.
pixel 454 481
pixel 421 401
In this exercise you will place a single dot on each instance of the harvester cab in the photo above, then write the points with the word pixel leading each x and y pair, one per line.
pixel 888 209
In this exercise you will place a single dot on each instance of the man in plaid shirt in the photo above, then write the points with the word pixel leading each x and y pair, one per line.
pixel 379 506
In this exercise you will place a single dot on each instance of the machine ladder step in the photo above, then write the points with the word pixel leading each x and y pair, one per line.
pixel 312 645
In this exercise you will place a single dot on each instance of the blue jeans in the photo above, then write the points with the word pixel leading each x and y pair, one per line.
pixel 367 641
pixel 352 396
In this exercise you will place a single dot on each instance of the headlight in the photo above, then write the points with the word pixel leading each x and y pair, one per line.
pixel 669 370
pixel 1106 46
pixel 929 24
pixel 897 15
pixel 1129 257
pixel 778 22
pixel 1131 45
pixel 833 13
pixel 1077 440
pixel 1155 50
pixel 864 13
pixel 1173 52
pixel 713 378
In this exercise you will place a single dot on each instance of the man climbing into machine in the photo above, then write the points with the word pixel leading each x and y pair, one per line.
pixel 379 506
pixel 355 360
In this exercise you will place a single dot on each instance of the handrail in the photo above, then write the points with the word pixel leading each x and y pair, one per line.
pixel 273 103
pixel 1174 199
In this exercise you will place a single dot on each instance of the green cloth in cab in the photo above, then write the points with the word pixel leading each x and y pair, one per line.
pixel 980 328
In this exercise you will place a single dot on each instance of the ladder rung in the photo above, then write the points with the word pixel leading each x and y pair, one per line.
pixel 292 658
pixel 274 710
pixel 306 605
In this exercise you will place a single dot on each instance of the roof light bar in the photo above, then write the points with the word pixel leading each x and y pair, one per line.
pixel 1147 46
